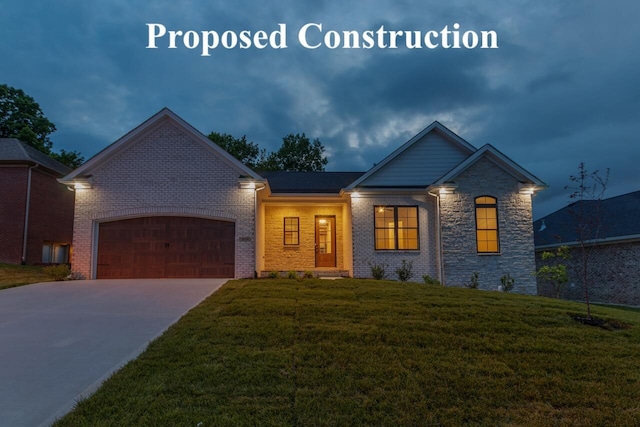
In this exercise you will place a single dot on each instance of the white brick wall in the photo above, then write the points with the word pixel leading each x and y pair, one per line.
pixel 424 260
pixel 165 170
pixel 515 224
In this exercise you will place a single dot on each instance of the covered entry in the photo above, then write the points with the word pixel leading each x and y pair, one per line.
pixel 166 246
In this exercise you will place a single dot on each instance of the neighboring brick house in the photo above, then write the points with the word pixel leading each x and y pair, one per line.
pixel 612 249
pixel 36 211
pixel 436 201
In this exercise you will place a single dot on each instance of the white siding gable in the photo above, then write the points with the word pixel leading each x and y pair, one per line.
pixel 421 164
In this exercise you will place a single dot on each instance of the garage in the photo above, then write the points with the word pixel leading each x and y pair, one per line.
pixel 166 246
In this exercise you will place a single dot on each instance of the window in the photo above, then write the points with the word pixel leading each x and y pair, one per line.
pixel 55 253
pixel 396 227
pixel 292 231
pixel 487 225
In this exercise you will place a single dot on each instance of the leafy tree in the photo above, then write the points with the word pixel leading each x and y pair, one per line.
pixel 298 153
pixel 246 151
pixel 588 191
pixel 555 272
pixel 22 118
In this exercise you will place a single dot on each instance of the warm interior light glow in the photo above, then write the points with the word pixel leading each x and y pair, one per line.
pixel 322 221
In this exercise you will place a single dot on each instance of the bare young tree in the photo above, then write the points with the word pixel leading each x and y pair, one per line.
pixel 588 189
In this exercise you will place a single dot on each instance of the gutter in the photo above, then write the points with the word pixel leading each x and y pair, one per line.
pixel 602 241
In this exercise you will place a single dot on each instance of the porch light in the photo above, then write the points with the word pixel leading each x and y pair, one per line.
pixel 445 190
pixel 527 189
pixel 247 183
pixel 82 183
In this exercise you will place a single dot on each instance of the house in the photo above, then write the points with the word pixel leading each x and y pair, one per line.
pixel 36 211
pixel 164 201
pixel 612 247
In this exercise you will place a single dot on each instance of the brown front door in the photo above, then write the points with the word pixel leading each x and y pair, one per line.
pixel 325 241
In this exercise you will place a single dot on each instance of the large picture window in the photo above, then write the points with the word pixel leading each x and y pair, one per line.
pixel 396 227
pixel 487 225
pixel 292 231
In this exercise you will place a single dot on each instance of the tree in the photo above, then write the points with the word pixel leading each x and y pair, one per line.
pixel 298 153
pixel 246 151
pixel 555 272
pixel 22 118
pixel 588 191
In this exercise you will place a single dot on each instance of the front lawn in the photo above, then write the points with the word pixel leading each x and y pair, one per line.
pixel 362 352
pixel 12 275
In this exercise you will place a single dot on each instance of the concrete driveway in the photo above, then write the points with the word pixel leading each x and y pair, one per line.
pixel 59 341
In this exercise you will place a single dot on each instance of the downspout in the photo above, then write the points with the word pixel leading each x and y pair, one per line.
pixel 26 216
pixel 440 249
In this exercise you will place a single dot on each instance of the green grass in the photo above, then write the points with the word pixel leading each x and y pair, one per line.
pixel 12 275
pixel 364 352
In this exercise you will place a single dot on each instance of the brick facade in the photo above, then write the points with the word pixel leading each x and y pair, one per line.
pixel 612 271
pixel 515 223
pixel 50 213
pixel 281 257
pixel 425 260
pixel 162 171
pixel 13 193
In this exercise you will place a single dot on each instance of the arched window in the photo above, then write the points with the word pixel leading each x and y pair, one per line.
pixel 487 239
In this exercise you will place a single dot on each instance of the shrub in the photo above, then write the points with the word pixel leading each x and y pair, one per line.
pixel 430 280
pixel 57 272
pixel 404 271
pixel 378 271
pixel 292 274
pixel 474 283
pixel 273 275
pixel 76 275
pixel 308 274
pixel 507 283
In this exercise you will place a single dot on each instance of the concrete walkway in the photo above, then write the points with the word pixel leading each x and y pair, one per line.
pixel 60 340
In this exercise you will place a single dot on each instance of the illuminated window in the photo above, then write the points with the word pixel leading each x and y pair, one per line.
pixel 292 231
pixel 396 227
pixel 487 225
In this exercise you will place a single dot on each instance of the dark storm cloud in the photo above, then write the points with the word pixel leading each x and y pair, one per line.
pixel 562 88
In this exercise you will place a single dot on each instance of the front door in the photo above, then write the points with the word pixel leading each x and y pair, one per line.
pixel 325 241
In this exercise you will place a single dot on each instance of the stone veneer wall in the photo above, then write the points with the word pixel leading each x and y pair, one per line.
pixel 302 257
pixel 164 171
pixel 425 260
pixel 515 227
pixel 613 271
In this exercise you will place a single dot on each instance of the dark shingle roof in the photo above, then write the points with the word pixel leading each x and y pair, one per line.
pixel 619 219
pixel 309 182
pixel 14 151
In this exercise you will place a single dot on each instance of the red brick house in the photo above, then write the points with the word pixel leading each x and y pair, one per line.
pixel 36 211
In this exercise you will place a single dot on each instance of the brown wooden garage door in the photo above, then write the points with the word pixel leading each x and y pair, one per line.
pixel 166 246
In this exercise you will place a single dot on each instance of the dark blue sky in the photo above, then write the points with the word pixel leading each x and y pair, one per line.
pixel 563 86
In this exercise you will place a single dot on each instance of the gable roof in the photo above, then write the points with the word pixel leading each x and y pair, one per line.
pixel 435 127
pixel 309 182
pixel 619 221
pixel 14 151
pixel 164 114
pixel 490 152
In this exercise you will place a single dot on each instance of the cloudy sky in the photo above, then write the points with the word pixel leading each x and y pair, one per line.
pixel 563 86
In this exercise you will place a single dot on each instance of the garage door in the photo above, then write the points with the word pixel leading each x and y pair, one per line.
pixel 166 246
